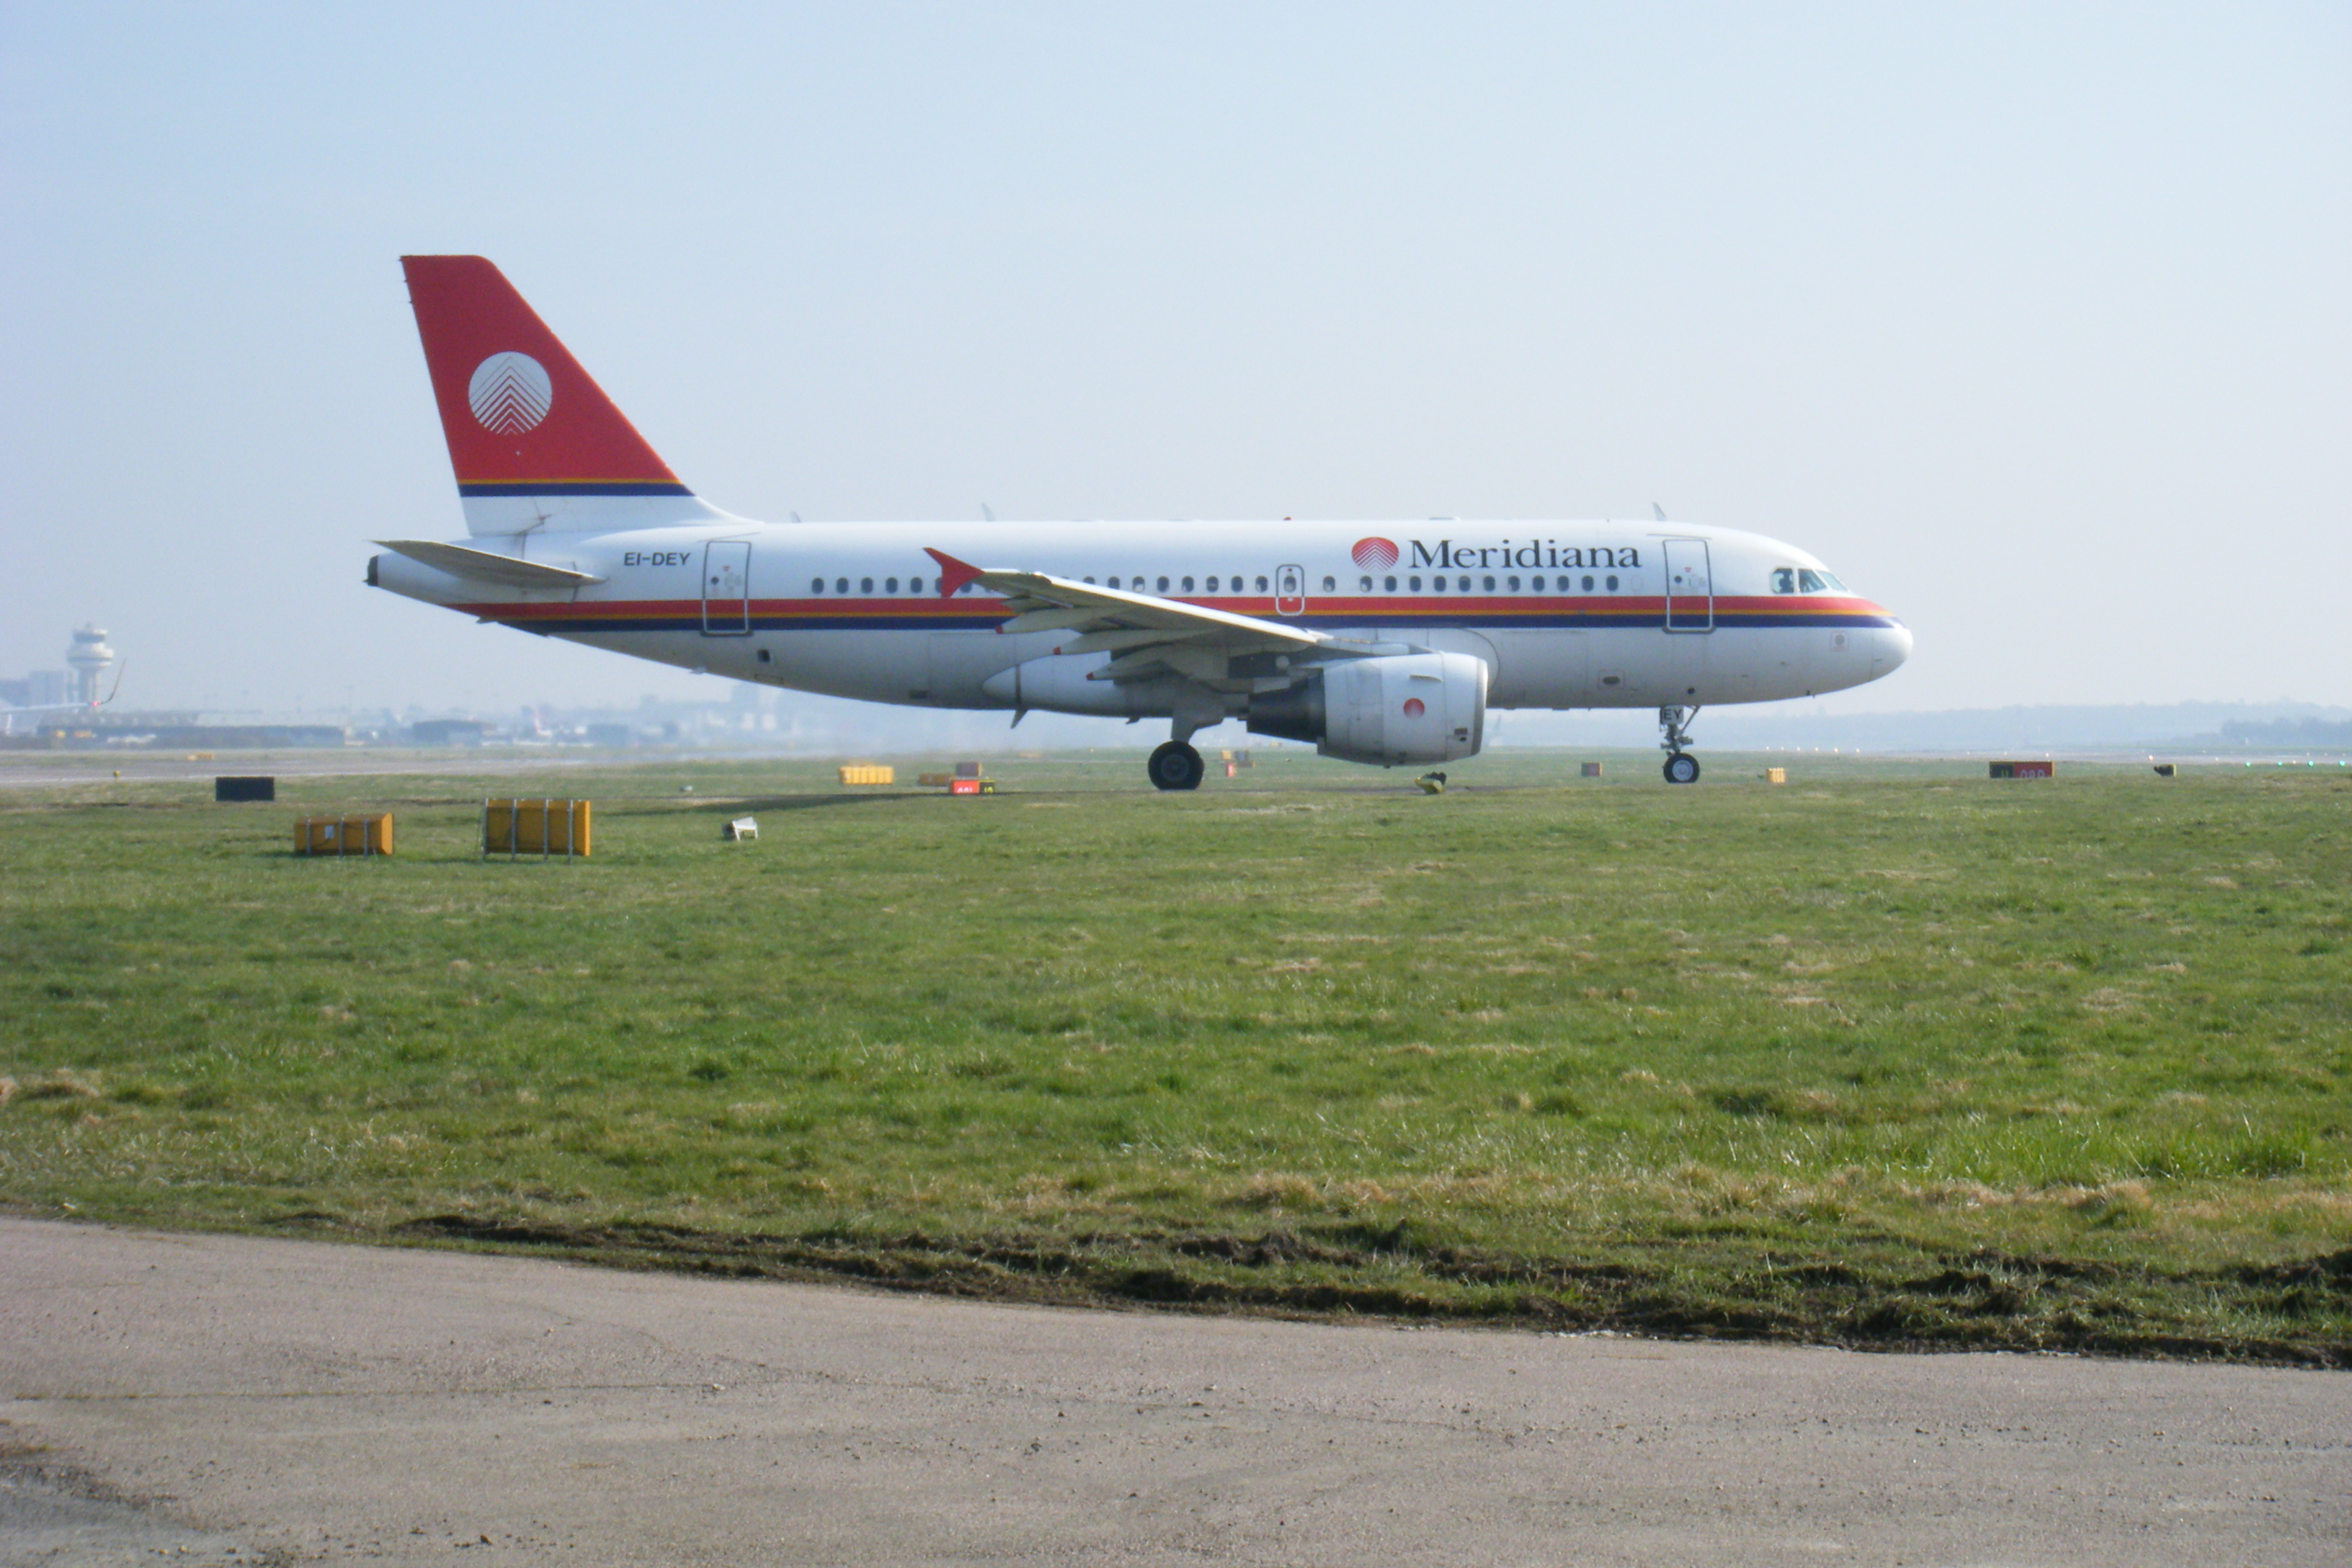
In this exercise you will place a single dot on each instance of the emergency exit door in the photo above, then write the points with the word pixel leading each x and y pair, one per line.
pixel 726 588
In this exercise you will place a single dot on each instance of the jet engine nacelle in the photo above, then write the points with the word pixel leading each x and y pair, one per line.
pixel 1406 708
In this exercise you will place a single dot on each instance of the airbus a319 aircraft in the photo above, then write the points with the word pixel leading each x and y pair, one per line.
pixel 1380 643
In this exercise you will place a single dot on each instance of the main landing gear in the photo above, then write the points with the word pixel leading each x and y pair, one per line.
pixel 1175 765
pixel 1674 734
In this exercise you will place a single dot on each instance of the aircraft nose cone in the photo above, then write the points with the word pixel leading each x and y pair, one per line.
pixel 1893 646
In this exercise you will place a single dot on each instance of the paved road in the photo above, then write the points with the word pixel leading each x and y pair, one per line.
pixel 232 1397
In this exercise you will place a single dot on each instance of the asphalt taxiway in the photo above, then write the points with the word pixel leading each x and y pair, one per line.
pixel 228 1399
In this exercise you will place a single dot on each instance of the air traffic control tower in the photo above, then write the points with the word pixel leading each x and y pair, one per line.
pixel 89 658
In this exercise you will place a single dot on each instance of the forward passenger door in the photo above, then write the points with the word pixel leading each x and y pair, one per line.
pixel 1690 588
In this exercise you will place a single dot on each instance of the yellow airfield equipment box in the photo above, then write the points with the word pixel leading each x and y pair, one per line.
pixel 935 781
pixel 1776 775
pixel 545 827
pixel 866 774
pixel 369 834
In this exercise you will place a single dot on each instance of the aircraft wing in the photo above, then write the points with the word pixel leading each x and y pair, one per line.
pixel 487 566
pixel 1107 620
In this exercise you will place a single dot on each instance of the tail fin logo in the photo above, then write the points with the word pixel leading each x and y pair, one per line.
pixel 509 394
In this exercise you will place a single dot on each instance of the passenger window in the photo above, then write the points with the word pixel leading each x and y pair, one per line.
pixel 1587 584
pixel 1490 584
pixel 1514 581
pixel 1261 584
pixel 1388 584
pixel 913 584
pixel 1188 584
pixel 1212 584
pixel 1537 582
pixel 841 586
pixel 1612 585
pixel 1784 580
pixel 890 584
pixel 1090 582
pixel 817 586
pixel 1330 584
pixel 1413 584
pixel 1365 586
pixel 1437 585
pixel 866 585
pixel 1163 584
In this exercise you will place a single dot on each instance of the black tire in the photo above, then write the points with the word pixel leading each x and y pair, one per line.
pixel 1682 768
pixel 1176 765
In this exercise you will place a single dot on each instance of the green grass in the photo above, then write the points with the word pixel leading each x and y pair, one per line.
pixel 1892 1055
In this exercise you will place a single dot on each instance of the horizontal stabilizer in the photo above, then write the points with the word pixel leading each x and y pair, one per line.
pixel 487 566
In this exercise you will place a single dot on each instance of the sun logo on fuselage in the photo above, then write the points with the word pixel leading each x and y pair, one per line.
pixel 1375 555
pixel 509 394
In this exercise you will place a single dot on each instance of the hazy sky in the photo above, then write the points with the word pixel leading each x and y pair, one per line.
pixel 2031 321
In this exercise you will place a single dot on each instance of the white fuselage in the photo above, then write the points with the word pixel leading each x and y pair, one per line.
pixel 1564 615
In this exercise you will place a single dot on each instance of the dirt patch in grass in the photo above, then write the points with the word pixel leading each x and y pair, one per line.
pixel 1977 1300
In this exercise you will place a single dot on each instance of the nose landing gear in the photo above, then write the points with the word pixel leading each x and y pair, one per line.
pixel 1674 734
pixel 1175 765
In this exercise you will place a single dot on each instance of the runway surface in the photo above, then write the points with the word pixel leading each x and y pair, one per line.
pixel 220 1399
pixel 46 770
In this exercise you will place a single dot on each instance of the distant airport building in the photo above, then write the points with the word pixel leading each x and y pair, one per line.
pixel 449 732
pixel 41 688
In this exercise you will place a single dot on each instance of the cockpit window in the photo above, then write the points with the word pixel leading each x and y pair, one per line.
pixel 1812 581
pixel 1784 580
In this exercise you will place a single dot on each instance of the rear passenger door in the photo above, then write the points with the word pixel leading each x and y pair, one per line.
pixel 726 588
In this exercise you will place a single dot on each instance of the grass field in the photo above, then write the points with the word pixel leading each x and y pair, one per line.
pixel 1892 1055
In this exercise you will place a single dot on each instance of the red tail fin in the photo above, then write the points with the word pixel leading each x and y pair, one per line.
pixel 522 419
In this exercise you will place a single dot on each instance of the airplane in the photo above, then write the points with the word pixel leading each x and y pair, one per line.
pixel 1383 643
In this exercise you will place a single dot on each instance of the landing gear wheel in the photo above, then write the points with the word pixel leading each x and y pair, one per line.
pixel 1175 765
pixel 1682 768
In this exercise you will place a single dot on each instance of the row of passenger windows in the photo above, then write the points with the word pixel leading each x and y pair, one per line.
pixel 1240 584
pixel 866 585
pixel 1413 585
pixel 1565 585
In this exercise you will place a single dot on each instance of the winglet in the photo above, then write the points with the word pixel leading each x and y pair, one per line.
pixel 953 573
